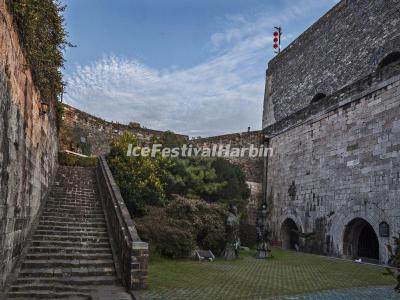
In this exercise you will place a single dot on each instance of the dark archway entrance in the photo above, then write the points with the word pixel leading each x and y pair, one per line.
pixel 390 59
pixel 289 235
pixel 361 241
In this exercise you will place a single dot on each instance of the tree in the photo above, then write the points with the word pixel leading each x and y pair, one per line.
pixel 137 177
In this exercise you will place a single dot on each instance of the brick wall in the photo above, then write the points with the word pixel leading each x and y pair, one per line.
pixel 28 147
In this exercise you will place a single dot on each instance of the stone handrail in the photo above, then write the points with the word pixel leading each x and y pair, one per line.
pixel 131 253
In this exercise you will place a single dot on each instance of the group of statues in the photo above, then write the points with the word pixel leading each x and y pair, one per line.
pixel 232 247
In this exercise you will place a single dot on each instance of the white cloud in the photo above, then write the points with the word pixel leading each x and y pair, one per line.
pixel 224 94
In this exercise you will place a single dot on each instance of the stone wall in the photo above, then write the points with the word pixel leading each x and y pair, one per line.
pixel 343 46
pixel 336 162
pixel 252 167
pixel 28 143
pixel 131 252
pixel 96 133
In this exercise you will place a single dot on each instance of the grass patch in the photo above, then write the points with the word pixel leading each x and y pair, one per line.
pixel 287 273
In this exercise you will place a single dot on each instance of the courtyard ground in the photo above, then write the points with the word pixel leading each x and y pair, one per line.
pixel 286 274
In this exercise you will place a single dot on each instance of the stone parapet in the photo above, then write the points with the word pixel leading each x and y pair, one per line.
pixel 132 254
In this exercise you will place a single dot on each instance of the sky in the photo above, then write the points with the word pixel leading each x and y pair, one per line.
pixel 195 67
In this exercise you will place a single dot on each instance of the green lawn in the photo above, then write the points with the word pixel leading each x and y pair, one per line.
pixel 287 273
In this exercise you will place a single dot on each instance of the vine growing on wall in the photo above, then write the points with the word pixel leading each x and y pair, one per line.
pixel 41 30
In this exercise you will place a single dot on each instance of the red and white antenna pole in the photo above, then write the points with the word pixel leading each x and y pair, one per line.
pixel 277 39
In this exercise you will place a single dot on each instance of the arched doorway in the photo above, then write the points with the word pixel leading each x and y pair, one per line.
pixel 289 235
pixel 361 241
pixel 390 59
pixel 318 97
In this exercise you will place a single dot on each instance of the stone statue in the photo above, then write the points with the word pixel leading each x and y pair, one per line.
pixel 263 235
pixel 232 234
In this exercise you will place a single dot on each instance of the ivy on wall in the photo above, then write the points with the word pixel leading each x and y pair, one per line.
pixel 40 25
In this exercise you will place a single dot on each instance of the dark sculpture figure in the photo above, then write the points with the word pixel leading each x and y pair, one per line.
pixel 232 235
pixel 263 235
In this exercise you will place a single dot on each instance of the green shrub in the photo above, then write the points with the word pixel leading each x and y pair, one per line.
pixel 152 181
pixel 211 179
pixel 205 220
pixel 214 240
pixel 137 177
pixel 67 159
pixel 165 236
pixel 236 187
pixel 248 235
pixel 176 230
pixel 191 177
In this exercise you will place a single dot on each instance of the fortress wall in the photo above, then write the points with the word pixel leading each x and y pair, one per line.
pixel 338 160
pixel 97 132
pixel 28 147
pixel 342 47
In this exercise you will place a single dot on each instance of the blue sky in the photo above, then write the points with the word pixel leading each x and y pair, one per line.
pixel 192 66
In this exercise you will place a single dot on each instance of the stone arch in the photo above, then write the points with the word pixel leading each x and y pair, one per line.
pixel 360 241
pixel 370 213
pixel 318 97
pixel 389 59
pixel 290 240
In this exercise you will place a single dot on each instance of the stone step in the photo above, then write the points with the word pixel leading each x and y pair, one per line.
pixel 52 287
pixel 85 229
pixel 71 218
pixel 76 215
pixel 65 238
pixel 66 272
pixel 70 254
pixel 79 256
pixel 68 263
pixel 83 225
pixel 70 250
pixel 47 295
pixel 60 206
pixel 74 209
pixel 82 189
pixel 68 188
pixel 70 244
pixel 70 197
pixel 70 233
pixel 72 281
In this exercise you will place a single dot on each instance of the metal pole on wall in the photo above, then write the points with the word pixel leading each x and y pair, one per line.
pixel 265 171
pixel 277 39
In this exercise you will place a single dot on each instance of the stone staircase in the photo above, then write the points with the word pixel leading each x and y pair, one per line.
pixel 70 254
